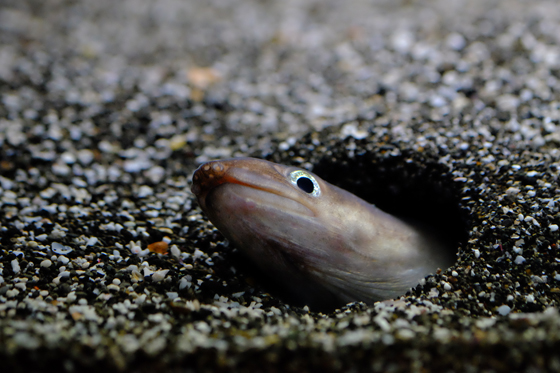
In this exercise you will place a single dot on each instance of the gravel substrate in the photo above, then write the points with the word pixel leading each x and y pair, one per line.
pixel 447 112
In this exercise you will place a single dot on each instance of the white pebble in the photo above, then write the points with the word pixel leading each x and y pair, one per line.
pixel 113 287
pixel 159 275
pixel 135 248
pixel 68 157
pixel 85 156
pixel 172 295
pixel 184 283
pixel 15 266
pixel 71 297
pixel 145 191
pixel 46 263
pixel 92 241
pixel 41 237
pixel 175 252
pixel 155 174
pixel 504 310
pixel 456 41
pixel 512 191
pixel 60 249
pixel 519 259
pixel 434 293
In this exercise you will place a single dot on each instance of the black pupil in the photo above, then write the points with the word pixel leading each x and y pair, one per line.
pixel 305 184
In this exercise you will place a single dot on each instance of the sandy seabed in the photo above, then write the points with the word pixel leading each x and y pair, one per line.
pixel 444 111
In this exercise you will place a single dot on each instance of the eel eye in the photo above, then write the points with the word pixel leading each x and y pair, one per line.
pixel 306 182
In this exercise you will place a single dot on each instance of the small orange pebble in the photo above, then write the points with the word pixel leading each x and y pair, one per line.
pixel 76 316
pixel 159 247
pixel 6 165
pixel 202 77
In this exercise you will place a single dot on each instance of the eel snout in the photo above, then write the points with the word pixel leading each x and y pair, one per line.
pixel 208 176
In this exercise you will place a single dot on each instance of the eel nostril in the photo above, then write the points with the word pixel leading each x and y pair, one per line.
pixel 217 167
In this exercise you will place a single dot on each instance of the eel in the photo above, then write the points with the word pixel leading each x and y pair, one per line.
pixel 321 244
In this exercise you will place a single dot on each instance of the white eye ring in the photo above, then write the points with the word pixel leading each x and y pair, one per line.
pixel 305 182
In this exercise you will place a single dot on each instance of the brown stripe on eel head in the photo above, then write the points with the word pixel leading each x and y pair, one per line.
pixel 322 244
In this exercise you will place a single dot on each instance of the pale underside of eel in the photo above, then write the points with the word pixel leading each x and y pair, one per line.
pixel 321 244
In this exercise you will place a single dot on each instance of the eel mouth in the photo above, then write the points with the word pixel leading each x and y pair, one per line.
pixel 258 183
pixel 261 204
